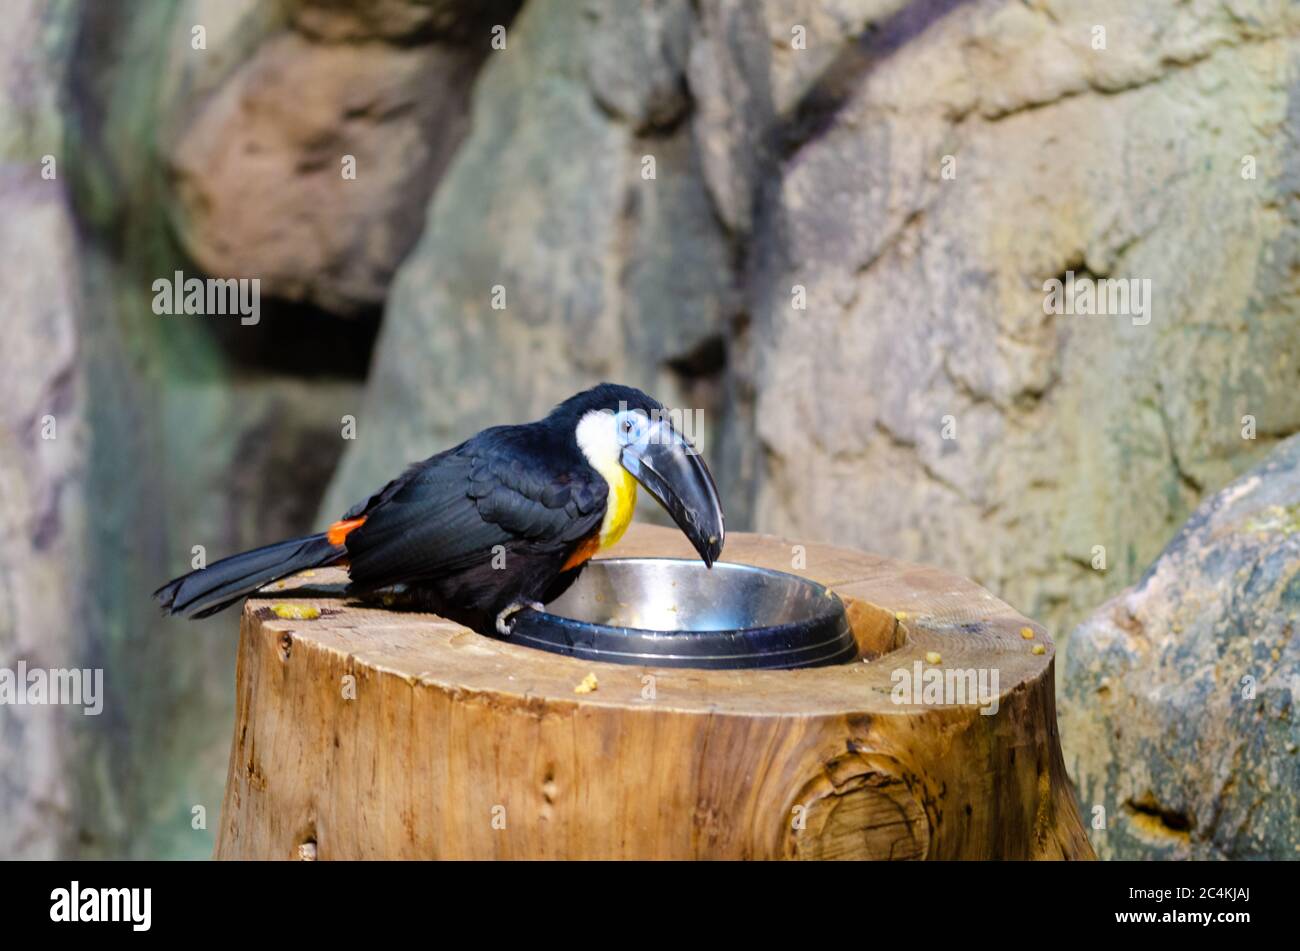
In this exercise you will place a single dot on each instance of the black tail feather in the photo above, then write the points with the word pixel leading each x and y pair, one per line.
pixel 208 590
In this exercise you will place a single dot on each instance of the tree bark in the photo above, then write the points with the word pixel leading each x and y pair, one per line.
pixel 367 733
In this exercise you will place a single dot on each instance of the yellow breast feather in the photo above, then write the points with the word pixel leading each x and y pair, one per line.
pixel 619 506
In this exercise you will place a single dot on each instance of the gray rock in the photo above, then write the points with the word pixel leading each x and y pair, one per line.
pixel 42 449
pixel 1180 706
pixel 1074 438
pixel 637 59
pixel 42 430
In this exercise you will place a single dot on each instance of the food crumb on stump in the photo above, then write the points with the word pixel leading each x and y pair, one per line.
pixel 588 685
pixel 1027 633
pixel 296 612
pixel 1039 649
pixel 933 657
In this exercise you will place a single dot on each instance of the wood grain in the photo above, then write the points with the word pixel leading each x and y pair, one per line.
pixel 369 733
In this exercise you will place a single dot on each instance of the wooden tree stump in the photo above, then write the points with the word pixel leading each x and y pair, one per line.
pixel 365 733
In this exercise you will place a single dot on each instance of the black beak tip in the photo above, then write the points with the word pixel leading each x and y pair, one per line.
pixel 711 549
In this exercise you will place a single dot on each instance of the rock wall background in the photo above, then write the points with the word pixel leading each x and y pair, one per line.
pixel 41 480
pixel 522 172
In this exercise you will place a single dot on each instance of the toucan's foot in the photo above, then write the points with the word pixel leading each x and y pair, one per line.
pixel 503 627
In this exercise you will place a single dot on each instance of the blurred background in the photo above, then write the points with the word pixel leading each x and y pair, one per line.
pixel 826 225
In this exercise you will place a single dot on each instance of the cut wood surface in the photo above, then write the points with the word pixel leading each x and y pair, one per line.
pixel 370 733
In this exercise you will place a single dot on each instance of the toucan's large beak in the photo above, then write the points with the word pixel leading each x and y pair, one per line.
pixel 675 474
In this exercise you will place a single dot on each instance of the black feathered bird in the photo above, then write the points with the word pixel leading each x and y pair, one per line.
pixel 503 521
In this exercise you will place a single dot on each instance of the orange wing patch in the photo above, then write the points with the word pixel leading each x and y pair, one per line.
pixel 338 532
pixel 586 548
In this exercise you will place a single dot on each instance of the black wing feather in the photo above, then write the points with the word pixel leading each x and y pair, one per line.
pixel 508 486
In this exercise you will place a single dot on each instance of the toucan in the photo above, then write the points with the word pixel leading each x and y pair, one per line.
pixel 503 522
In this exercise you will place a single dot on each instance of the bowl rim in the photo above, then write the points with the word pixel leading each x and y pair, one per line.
pixel 695 633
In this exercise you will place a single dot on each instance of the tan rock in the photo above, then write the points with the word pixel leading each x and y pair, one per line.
pixel 310 166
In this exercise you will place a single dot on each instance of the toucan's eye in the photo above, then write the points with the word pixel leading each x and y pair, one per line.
pixel 630 427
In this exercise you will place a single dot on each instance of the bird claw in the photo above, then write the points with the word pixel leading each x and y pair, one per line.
pixel 503 628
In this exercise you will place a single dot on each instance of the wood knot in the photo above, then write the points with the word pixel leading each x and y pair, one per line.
pixel 861 806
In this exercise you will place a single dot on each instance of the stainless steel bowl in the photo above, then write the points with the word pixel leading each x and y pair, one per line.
pixel 672 612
